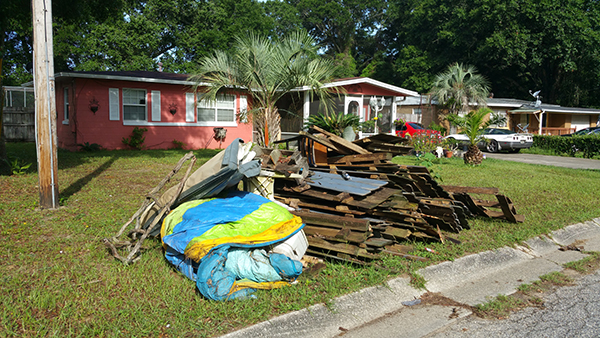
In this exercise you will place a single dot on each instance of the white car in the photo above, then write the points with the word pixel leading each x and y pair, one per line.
pixel 498 139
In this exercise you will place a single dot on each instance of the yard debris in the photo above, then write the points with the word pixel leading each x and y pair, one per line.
pixel 354 203
pixel 357 204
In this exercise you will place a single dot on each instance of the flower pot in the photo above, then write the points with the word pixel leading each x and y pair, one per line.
pixel 349 134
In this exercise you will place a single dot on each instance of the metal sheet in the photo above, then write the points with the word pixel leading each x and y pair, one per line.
pixel 354 185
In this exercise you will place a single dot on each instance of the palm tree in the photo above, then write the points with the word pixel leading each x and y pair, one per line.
pixel 268 69
pixel 471 125
pixel 458 86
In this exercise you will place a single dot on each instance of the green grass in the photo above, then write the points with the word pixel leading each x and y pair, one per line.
pixel 58 279
pixel 586 265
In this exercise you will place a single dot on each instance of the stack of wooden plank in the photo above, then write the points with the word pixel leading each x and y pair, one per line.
pixel 357 204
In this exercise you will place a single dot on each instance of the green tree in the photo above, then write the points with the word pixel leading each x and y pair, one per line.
pixel 471 126
pixel 550 45
pixel 347 30
pixel 458 86
pixel 177 33
pixel 268 69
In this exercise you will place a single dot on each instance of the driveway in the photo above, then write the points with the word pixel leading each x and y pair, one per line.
pixel 557 161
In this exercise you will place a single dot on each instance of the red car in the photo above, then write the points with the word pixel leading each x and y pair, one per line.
pixel 412 128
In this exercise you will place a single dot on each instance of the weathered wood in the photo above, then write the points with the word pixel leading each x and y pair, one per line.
pixel 297 203
pixel 378 242
pixel 323 141
pixel 509 209
pixel 349 159
pixel 45 107
pixel 396 233
pixel 340 248
pixel 343 234
pixel 333 221
pixel 487 204
pixel 131 257
pixel 341 142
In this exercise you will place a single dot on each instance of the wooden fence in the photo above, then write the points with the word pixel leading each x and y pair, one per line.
pixel 19 124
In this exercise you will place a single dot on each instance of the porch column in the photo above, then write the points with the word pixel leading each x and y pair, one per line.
pixel 306 108
pixel 541 119
pixel 394 110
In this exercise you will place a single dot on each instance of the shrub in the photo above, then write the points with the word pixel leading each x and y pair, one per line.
pixel 178 145
pixel 89 146
pixel 137 138
pixel 17 166
pixel 334 123
pixel 588 145
pixel 425 141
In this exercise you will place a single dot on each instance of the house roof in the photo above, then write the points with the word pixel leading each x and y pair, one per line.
pixel 506 102
pixel 554 108
pixel 362 80
pixel 140 76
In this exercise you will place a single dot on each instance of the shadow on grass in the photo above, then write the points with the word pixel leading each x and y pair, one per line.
pixel 80 183
pixel 26 153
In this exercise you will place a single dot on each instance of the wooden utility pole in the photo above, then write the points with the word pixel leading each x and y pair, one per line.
pixel 45 106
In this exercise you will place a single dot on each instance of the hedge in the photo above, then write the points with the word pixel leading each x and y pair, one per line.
pixel 588 146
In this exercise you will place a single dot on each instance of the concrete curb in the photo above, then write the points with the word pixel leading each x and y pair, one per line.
pixel 470 280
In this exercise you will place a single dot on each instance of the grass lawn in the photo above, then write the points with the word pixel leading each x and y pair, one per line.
pixel 59 280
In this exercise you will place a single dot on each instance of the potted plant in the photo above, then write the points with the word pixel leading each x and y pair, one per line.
pixel 450 146
pixel 339 124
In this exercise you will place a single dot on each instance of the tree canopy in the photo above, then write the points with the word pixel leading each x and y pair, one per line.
pixel 519 45
pixel 267 69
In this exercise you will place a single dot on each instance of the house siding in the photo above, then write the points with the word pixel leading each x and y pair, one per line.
pixel 86 126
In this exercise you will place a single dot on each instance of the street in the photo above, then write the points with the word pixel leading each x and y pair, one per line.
pixel 557 161
pixel 571 311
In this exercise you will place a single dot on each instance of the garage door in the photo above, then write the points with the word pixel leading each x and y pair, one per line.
pixel 580 121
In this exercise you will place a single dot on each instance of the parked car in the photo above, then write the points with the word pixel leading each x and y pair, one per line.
pixel 498 140
pixel 585 131
pixel 411 128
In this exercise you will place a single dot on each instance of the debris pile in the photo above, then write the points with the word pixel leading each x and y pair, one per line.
pixel 357 204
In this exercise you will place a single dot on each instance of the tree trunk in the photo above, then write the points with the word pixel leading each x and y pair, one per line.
pixel 473 156
pixel 269 127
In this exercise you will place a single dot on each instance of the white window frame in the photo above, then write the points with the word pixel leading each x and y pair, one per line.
pixel 207 105
pixel 417 111
pixel 65 105
pixel 145 105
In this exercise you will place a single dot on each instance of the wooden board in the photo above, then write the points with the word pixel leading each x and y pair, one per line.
pixel 341 142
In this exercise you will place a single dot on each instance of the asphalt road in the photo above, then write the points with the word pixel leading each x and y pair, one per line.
pixel 558 161
pixel 572 311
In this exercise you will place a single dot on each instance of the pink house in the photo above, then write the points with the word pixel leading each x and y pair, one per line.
pixel 105 107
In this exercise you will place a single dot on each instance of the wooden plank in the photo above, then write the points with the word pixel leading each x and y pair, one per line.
pixel 396 233
pixel 375 198
pixel 348 249
pixel 470 190
pixel 341 142
pixel 344 234
pixel 509 209
pixel 303 204
pixel 348 159
pixel 378 242
pixel 487 204
pixel 323 141
pixel 333 221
